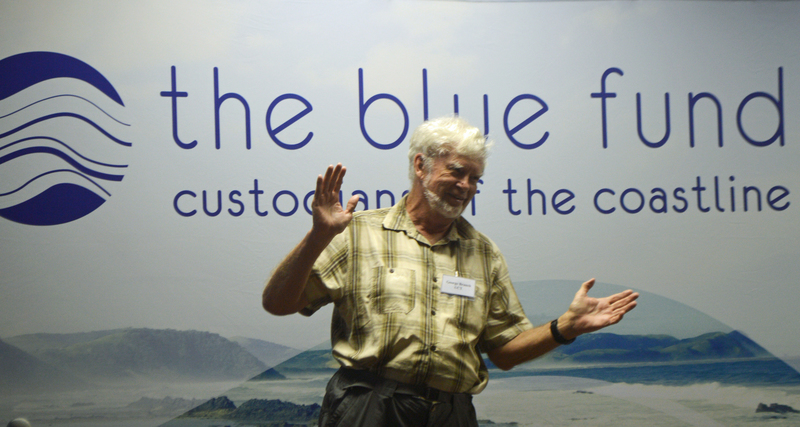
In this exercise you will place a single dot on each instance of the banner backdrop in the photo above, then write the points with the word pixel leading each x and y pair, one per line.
pixel 157 159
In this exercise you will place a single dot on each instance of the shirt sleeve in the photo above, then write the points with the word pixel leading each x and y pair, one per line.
pixel 324 284
pixel 506 318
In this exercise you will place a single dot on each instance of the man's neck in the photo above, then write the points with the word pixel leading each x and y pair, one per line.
pixel 431 224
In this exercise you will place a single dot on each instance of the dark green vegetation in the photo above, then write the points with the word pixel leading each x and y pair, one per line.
pixel 261 411
pixel 611 348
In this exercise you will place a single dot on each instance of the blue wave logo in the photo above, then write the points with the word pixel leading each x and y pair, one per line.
pixel 54 132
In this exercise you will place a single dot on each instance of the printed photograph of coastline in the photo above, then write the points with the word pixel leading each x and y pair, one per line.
pixel 669 365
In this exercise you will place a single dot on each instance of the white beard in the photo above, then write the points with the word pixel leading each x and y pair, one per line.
pixel 440 206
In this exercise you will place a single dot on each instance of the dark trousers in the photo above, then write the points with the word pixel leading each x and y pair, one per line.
pixel 359 399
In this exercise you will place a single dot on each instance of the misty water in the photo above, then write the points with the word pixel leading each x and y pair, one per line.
pixel 528 400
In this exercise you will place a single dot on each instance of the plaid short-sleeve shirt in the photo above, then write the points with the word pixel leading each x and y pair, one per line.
pixel 391 316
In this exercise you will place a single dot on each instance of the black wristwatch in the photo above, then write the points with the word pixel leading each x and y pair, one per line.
pixel 557 335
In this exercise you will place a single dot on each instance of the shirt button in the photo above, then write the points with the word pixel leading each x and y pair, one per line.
pixel 435 279
pixel 433 312
pixel 391 270
pixel 433 348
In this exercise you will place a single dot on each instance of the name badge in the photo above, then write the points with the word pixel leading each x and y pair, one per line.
pixel 458 286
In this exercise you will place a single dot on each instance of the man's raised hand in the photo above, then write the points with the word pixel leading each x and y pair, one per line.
pixel 330 218
pixel 284 291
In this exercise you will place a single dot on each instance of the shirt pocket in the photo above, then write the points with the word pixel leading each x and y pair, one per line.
pixel 462 316
pixel 395 289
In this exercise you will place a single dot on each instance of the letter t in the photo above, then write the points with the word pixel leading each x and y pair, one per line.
pixel 174 94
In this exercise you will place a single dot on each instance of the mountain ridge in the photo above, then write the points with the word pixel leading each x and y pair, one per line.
pixel 157 354
pixel 24 373
pixel 79 360
pixel 595 348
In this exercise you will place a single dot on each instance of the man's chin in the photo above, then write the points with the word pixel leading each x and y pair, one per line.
pixel 449 211
pixel 442 207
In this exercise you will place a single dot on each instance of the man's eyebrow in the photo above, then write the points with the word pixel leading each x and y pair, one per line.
pixel 458 166
pixel 455 164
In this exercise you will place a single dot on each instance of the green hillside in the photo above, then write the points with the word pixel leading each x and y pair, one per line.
pixel 261 411
pixel 612 348
pixel 22 373
pixel 596 348
pixel 160 354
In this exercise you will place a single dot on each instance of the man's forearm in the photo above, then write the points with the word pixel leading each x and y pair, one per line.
pixel 585 315
pixel 526 346
pixel 283 293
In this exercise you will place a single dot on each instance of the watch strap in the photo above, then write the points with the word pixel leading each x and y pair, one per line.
pixel 557 335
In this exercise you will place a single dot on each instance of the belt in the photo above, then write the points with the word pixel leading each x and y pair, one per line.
pixel 369 379
pixel 424 392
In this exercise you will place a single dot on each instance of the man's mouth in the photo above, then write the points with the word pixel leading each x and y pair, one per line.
pixel 457 198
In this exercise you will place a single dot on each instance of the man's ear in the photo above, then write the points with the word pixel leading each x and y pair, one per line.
pixel 419 165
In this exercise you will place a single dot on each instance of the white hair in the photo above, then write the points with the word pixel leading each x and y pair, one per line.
pixel 446 135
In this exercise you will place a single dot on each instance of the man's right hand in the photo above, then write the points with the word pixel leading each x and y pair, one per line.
pixel 284 291
pixel 329 218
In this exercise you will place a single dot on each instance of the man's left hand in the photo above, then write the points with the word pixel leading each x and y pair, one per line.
pixel 587 314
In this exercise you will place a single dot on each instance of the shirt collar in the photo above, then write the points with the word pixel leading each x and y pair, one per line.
pixel 398 220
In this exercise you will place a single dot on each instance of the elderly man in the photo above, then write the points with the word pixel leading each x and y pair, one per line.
pixel 418 293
